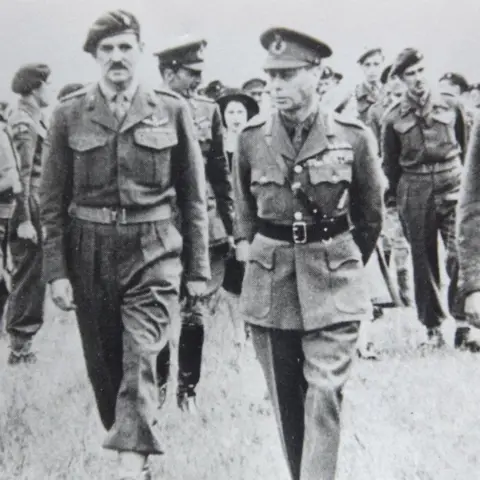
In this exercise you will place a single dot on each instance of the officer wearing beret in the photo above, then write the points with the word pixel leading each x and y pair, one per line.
pixel 117 157
pixel 181 68
pixel 423 147
pixel 27 125
pixel 308 195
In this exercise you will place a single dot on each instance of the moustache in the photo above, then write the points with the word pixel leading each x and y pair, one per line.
pixel 117 66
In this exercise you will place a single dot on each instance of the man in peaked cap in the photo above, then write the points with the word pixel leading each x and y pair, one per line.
pixel 181 68
pixel 118 156
pixel 255 87
pixel 308 199
pixel 214 89
pixel 453 84
pixel 24 315
pixel 423 144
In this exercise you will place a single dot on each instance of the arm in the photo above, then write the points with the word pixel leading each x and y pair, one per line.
pixel 218 174
pixel 461 129
pixel 9 178
pixel 366 195
pixel 55 196
pixel 391 148
pixel 189 178
pixel 245 204
pixel 24 138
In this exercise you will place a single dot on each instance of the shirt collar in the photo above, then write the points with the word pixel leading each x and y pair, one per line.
pixel 110 93
pixel 291 124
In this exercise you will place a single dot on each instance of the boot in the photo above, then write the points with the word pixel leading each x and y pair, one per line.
pixel 403 278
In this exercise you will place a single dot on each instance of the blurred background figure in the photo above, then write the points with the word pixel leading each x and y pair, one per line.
pixel 474 95
pixel 213 89
pixel 453 85
pixel 255 88
pixel 68 89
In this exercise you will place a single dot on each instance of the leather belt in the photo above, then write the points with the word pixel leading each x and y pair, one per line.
pixel 301 232
pixel 120 216
pixel 437 167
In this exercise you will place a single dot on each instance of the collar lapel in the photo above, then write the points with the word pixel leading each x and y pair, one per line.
pixel 142 106
pixel 99 111
pixel 316 141
pixel 280 140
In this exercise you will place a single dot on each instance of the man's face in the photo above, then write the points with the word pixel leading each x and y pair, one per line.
pixel 184 81
pixel 293 88
pixel 372 67
pixel 256 93
pixel 118 57
pixel 324 85
pixel 43 94
pixel 448 88
pixel 415 79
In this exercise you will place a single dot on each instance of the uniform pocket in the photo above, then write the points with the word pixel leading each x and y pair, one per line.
pixel 445 123
pixel 256 298
pixel 269 174
pixel 89 159
pixel 151 162
pixel 347 285
pixel 330 173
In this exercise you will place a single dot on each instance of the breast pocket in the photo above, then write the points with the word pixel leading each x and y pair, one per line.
pixel 152 159
pixel 89 159
pixel 444 122
pixel 410 136
pixel 334 167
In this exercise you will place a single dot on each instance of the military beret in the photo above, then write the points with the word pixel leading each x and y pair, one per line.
pixel 369 53
pixel 405 59
pixel 291 49
pixel 29 77
pixel 110 24
pixel 184 52
pixel 68 89
pixel 254 83
pixel 456 79
pixel 214 89
pixel 337 76
pixel 233 94
pixel 385 76
pixel 327 73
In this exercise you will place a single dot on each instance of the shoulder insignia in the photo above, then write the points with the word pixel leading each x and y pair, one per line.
pixel 19 128
pixel 347 120
pixel 167 92
pixel 77 93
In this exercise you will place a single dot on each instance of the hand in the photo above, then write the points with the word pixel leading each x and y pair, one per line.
pixel 62 294
pixel 27 231
pixel 242 251
pixel 196 288
pixel 472 308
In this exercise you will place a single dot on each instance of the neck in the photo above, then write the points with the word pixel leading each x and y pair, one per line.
pixel 32 100
pixel 231 137
pixel 120 86
pixel 300 114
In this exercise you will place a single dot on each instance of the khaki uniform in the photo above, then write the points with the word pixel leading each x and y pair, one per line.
pixel 422 154
pixel 24 315
pixel 107 197
pixel 304 301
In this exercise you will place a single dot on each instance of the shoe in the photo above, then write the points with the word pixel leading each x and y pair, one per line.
pixel 377 312
pixel 434 338
pixel 467 339
pixel 17 358
pixel 187 403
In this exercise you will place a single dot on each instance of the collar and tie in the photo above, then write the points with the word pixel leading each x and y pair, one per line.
pixel 298 131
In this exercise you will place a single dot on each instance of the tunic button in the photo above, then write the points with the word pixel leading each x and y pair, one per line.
pixel 298 216
pixel 298 169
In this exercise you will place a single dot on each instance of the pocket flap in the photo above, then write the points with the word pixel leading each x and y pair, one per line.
pixel 83 143
pixel 268 174
pixel 263 254
pixel 447 117
pixel 405 125
pixel 155 138
pixel 343 252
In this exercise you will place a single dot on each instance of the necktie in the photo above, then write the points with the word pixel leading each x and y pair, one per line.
pixel 297 140
pixel 119 106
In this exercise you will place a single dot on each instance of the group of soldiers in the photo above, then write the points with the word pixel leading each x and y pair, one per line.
pixel 133 212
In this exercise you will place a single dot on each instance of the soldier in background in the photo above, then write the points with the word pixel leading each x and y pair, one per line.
pixel 453 85
pixel 181 68
pixel 255 87
pixel 213 89
pixel 68 89
pixel 24 315
pixel 424 140
pixel 300 175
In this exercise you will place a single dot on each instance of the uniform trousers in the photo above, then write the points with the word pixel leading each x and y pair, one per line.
pixel 305 373
pixel 126 281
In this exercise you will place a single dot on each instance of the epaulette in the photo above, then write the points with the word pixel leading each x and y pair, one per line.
pixel 19 117
pixel 77 93
pixel 166 91
pixel 203 98
pixel 347 120
pixel 256 121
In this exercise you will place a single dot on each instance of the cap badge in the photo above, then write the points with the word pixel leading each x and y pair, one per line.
pixel 278 46
pixel 126 20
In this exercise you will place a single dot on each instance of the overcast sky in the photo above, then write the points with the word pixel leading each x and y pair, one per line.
pixel 53 31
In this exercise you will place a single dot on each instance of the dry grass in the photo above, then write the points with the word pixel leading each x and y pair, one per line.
pixel 413 415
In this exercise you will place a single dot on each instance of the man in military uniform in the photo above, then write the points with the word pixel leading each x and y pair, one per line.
pixel 474 97
pixel 394 243
pixel 181 67
pixel 423 145
pixel 213 89
pixel 255 87
pixel 25 308
pixel 117 156
pixel 453 85
pixel 309 211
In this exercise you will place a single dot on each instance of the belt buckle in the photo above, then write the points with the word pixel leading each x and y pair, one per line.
pixel 299 232
pixel 118 216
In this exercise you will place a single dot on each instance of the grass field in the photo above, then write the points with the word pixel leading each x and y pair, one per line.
pixel 412 415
